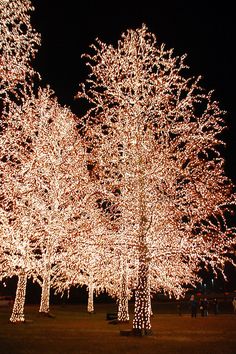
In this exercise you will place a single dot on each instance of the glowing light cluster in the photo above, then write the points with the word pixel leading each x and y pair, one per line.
pixel 18 308
pixel 46 191
pixel 133 196
pixel 18 45
pixel 154 146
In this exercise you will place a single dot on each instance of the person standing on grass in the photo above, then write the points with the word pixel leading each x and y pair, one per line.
pixel 234 304
pixel 193 304
pixel 205 307
pixel 201 307
pixel 216 306
pixel 179 308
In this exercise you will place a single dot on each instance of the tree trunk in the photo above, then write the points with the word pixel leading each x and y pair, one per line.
pixel 123 301
pixel 142 315
pixel 45 295
pixel 19 303
pixel 123 309
pixel 150 305
pixel 90 306
pixel 141 321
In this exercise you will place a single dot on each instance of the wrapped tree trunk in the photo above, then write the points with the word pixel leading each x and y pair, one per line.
pixel 45 295
pixel 150 305
pixel 123 301
pixel 142 313
pixel 17 315
pixel 90 306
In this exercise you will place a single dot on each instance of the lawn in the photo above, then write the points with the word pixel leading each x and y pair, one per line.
pixel 74 331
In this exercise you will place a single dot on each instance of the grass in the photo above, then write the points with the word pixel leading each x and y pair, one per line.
pixel 74 331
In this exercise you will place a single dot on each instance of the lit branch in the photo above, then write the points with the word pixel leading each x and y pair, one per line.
pixel 18 45
pixel 154 139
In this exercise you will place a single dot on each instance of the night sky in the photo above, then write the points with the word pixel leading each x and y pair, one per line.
pixel 204 30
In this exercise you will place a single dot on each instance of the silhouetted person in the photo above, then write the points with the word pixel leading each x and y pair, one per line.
pixel 216 306
pixel 179 308
pixel 205 306
pixel 201 307
pixel 234 304
pixel 193 304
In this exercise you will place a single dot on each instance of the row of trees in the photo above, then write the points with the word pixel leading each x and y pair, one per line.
pixel 130 196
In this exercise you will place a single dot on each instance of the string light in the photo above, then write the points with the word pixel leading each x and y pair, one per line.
pixel 154 145
pixel 137 201
pixel 46 182
pixel 18 46
pixel 18 308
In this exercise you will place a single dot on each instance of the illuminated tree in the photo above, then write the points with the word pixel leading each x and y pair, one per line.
pixel 46 182
pixel 18 45
pixel 154 139
pixel 124 292
pixel 17 221
pixel 62 184
pixel 84 262
pixel 17 252
pixel 89 261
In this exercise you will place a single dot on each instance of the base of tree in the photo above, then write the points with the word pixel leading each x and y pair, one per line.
pixel 117 322
pixel 91 312
pixel 114 322
pixel 141 332
pixel 111 316
pixel 17 322
pixel 137 332
pixel 126 321
pixel 21 322
pixel 47 314
pixel 126 333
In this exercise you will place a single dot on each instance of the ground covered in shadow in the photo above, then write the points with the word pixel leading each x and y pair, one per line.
pixel 74 331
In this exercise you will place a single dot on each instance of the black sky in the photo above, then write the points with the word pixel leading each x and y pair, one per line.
pixel 204 30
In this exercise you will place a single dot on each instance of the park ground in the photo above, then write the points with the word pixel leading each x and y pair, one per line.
pixel 73 331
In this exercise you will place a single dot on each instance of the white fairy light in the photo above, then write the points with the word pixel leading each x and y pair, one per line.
pixel 18 45
pixel 154 138
pixel 46 182
pixel 150 210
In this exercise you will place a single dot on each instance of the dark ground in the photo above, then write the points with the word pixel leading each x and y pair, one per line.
pixel 73 331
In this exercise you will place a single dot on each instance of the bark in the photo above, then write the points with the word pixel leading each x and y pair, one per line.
pixel 19 303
